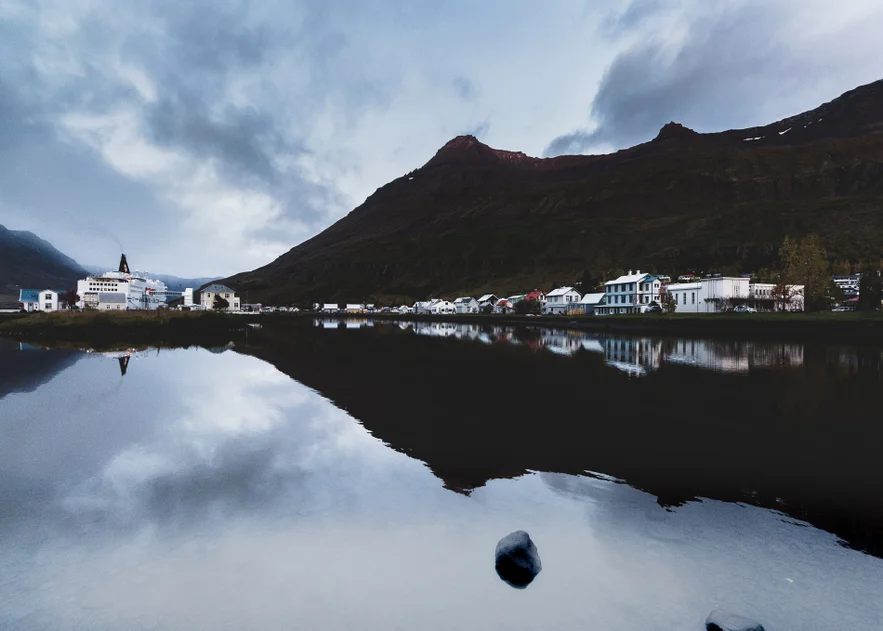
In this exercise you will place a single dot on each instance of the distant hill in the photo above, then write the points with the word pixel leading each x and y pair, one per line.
pixel 475 218
pixel 28 261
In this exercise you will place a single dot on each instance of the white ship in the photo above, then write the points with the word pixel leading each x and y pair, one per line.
pixel 140 291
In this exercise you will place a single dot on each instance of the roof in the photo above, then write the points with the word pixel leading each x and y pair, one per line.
pixel 116 297
pixel 487 298
pixel 561 291
pixel 677 286
pixel 464 299
pixel 535 295
pixel 29 295
pixel 217 288
pixel 592 299
pixel 629 278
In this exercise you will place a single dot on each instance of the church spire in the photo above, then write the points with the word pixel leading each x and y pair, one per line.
pixel 124 266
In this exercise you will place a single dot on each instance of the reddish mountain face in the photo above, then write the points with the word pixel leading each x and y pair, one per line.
pixel 475 218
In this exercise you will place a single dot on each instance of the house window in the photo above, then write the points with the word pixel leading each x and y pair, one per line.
pixel 693 296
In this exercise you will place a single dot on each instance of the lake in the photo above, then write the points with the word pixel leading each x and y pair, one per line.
pixel 358 474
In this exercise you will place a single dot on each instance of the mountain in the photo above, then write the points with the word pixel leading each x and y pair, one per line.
pixel 475 218
pixel 27 261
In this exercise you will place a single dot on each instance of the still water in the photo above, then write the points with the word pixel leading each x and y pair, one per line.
pixel 343 475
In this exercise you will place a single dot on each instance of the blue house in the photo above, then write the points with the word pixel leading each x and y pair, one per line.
pixel 29 299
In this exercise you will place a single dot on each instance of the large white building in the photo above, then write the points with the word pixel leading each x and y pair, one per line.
pixel 140 291
pixel 713 294
pixel 631 293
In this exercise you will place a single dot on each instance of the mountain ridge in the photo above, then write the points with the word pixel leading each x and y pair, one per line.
pixel 29 262
pixel 474 218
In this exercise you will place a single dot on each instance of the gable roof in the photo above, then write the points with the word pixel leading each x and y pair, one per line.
pixel 629 278
pixel 487 298
pixel 464 299
pixel 592 299
pixel 29 295
pixel 561 291
pixel 217 288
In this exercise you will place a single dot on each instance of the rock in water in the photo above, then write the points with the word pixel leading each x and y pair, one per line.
pixel 517 559
pixel 719 620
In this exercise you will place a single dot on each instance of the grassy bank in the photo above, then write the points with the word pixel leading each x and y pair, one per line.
pixel 105 330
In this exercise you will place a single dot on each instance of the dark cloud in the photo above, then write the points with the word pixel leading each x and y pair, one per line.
pixel 632 16
pixel 465 89
pixel 729 64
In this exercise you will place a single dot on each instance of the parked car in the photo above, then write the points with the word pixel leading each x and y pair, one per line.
pixel 744 309
pixel 653 309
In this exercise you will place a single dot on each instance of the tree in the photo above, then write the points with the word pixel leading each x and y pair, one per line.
pixel 70 298
pixel 782 295
pixel 219 303
pixel 870 290
pixel 526 306
pixel 667 300
pixel 806 263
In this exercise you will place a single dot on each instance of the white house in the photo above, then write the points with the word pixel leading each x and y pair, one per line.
pixel 422 307
pixel 208 294
pixel 49 300
pixel 487 301
pixel 712 294
pixel 466 304
pixel 355 308
pixel 631 293
pixel 330 307
pixel 110 301
pixel 442 307
pixel 763 297
pixel 590 302
pixel 560 301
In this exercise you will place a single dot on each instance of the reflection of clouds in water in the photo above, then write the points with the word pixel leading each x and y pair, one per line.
pixel 227 434
pixel 715 554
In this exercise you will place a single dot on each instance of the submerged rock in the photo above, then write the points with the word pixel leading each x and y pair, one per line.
pixel 516 559
pixel 719 620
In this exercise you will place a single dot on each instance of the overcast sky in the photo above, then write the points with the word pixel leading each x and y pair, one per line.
pixel 209 137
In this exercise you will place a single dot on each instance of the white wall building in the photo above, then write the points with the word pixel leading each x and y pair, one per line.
pixel 466 304
pixel 207 297
pixel 111 301
pixel 562 300
pixel 49 300
pixel 442 307
pixel 631 293
pixel 763 297
pixel 710 295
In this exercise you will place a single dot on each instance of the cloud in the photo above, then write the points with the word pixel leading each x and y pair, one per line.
pixel 230 135
pixel 465 88
pixel 734 65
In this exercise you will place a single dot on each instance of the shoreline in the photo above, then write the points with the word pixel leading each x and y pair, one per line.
pixel 206 326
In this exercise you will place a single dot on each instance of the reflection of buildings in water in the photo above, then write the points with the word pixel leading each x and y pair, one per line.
pixel 635 356
pixel 733 357
pixel 342 323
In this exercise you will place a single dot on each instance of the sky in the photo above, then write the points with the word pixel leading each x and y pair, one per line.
pixel 207 138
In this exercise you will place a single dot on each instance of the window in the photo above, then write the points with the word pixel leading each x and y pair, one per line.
pixel 694 297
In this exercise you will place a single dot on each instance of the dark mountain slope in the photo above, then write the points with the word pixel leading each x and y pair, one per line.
pixel 27 261
pixel 475 218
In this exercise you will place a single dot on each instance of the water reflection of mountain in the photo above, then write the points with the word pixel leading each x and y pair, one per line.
pixel 24 368
pixel 804 439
